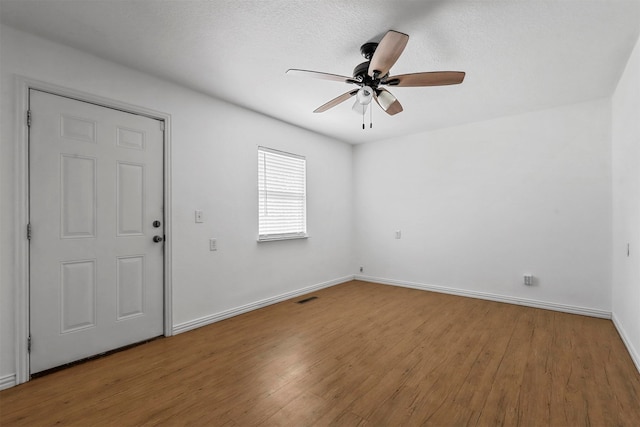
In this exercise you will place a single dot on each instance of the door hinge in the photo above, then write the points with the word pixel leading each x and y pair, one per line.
pixel 162 125
pixel 29 344
pixel 29 231
pixel 28 118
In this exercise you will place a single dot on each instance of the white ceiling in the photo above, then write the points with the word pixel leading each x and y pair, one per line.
pixel 519 55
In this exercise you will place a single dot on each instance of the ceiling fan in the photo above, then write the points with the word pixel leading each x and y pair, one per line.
pixel 372 74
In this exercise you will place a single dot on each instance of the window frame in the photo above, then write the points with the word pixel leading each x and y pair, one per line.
pixel 268 237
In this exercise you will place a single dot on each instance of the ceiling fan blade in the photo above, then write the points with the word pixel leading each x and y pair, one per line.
pixel 387 102
pixel 320 75
pixel 387 53
pixel 435 78
pixel 335 101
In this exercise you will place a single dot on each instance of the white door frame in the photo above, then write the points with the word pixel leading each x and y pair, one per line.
pixel 21 295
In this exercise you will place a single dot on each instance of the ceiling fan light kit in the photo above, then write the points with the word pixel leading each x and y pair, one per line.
pixel 364 95
pixel 374 73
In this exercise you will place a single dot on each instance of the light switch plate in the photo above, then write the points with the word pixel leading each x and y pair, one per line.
pixel 199 217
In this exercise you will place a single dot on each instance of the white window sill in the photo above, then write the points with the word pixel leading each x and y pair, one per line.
pixel 262 239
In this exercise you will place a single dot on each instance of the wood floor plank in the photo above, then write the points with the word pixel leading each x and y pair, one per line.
pixel 360 354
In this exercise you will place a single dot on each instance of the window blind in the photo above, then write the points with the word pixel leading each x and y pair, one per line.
pixel 282 201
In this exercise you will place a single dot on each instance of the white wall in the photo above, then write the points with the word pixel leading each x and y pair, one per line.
pixel 482 204
pixel 214 169
pixel 626 205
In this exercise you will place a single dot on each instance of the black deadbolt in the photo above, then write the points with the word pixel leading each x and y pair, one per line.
pixel 156 223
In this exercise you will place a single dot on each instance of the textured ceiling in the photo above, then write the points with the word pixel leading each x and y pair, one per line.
pixel 519 55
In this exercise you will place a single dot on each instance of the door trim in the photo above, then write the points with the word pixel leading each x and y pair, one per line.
pixel 21 212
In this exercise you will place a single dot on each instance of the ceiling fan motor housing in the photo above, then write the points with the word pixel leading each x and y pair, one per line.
pixel 361 70
pixel 362 77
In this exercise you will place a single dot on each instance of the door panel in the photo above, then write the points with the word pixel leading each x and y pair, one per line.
pixel 79 202
pixel 77 295
pixel 129 200
pixel 96 187
pixel 130 286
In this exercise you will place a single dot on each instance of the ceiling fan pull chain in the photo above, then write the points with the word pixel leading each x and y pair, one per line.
pixel 370 118
pixel 363 119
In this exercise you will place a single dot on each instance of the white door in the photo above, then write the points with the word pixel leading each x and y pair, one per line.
pixel 96 189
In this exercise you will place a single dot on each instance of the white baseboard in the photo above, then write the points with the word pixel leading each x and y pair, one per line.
pixel 216 317
pixel 627 342
pixel 592 312
pixel 7 381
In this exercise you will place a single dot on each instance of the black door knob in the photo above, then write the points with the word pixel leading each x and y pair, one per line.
pixel 157 239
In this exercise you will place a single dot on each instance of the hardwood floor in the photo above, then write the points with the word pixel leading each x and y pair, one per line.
pixel 360 355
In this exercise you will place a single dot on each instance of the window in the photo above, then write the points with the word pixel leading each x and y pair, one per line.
pixel 282 195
